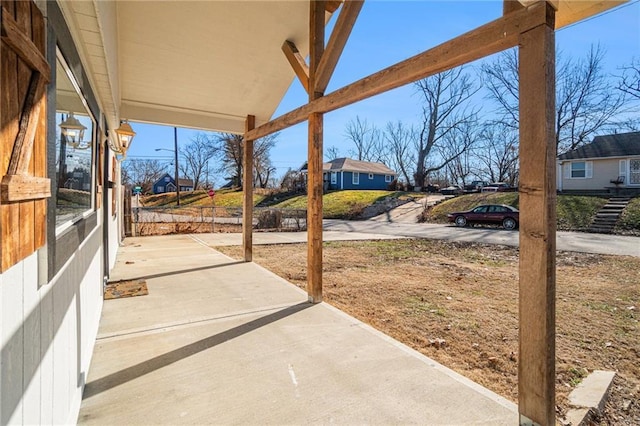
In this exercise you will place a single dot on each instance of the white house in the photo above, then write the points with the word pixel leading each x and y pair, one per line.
pixel 609 162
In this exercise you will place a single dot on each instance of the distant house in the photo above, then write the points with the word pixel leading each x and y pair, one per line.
pixel 345 173
pixel 167 183
pixel 611 161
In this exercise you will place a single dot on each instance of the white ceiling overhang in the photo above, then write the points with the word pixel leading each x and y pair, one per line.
pixel 198 64
pixel 204 64
pixel 207 64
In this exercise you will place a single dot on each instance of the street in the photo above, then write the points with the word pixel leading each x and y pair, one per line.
pixel 567 241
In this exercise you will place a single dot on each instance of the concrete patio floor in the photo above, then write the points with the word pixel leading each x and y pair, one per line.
pixel 217 341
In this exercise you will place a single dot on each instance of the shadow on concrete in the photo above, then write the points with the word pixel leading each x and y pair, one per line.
pixel 184 271
pixel 103 384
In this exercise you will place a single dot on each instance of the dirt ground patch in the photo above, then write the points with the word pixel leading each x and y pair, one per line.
pixel 457 303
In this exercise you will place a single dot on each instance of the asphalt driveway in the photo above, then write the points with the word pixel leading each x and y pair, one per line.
pixel 566 241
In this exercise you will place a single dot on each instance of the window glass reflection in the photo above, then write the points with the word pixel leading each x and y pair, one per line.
pixel 74 149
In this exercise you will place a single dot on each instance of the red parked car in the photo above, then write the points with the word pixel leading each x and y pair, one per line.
pixel 495 214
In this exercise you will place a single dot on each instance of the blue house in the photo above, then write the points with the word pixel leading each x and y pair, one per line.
pixel 167 183
pixel 345 173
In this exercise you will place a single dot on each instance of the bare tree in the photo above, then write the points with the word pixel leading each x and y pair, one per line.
pixel 293 180
pixel 443 112
pixel 332 153
pixel 196 156
pixel 143 173
pixel 231 148
pixel 500 77
pixel 462 139
pixel 497 153
pixel 262 166
pixel 630 79
pixel 367 140
pixel 400 141
pixel 586 101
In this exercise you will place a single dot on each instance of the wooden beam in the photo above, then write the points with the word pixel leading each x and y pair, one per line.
pixel 316 45
pixel 332 5
pixel 537 268
pixel 21 188
pixel 486 40
pixel 247 185
pixel 314 158
pixel 509 6
pixel 297 63
pixel 337 41
pixel 571 11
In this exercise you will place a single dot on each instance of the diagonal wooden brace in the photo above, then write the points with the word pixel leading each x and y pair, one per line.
pixel 16 185
pixel 15 38
pixel 23 146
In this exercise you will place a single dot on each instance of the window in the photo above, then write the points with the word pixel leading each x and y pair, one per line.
pixel 355 178
pixel 334 178
pixel 498 209
pixel 160 189
pixel 370 176
pixel 634 171
pixel 581 170
pixel 74 149
pixel 481 209
pixel 387 178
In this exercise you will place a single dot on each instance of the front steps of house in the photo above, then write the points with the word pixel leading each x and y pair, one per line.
pixel 608 215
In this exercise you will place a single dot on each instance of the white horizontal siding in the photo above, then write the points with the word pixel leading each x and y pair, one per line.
pixel 602 172
pixel 47 335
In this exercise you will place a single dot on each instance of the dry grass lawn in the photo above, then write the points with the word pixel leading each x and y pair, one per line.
pixel 458 304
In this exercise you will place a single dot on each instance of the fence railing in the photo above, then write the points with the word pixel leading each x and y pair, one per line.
pixel 192 219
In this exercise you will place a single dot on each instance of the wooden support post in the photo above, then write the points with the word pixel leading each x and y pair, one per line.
pixel 247 186
pixel 314 161
pixel 314 209
pixel 536 368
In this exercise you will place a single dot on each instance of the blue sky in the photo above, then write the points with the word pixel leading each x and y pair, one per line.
pixel 387 32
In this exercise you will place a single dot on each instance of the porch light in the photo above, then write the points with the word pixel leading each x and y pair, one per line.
pixel 73 131
pixel 123 137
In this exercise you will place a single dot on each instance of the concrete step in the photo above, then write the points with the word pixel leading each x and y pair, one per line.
pixel 600 230
pixel 607 217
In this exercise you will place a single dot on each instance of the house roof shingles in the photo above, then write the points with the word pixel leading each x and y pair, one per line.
pixel 616 145
pixel 357 166
pixel 183 181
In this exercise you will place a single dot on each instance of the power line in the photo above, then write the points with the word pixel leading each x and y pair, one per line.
pixel 149 157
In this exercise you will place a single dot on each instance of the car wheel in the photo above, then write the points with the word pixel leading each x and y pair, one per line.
pixel 509 223
pixel 461 221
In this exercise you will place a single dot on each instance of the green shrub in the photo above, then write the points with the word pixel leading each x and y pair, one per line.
pixel 629 222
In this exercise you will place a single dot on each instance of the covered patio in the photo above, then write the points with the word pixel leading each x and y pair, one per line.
pixel 227 342
pixel 219 341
